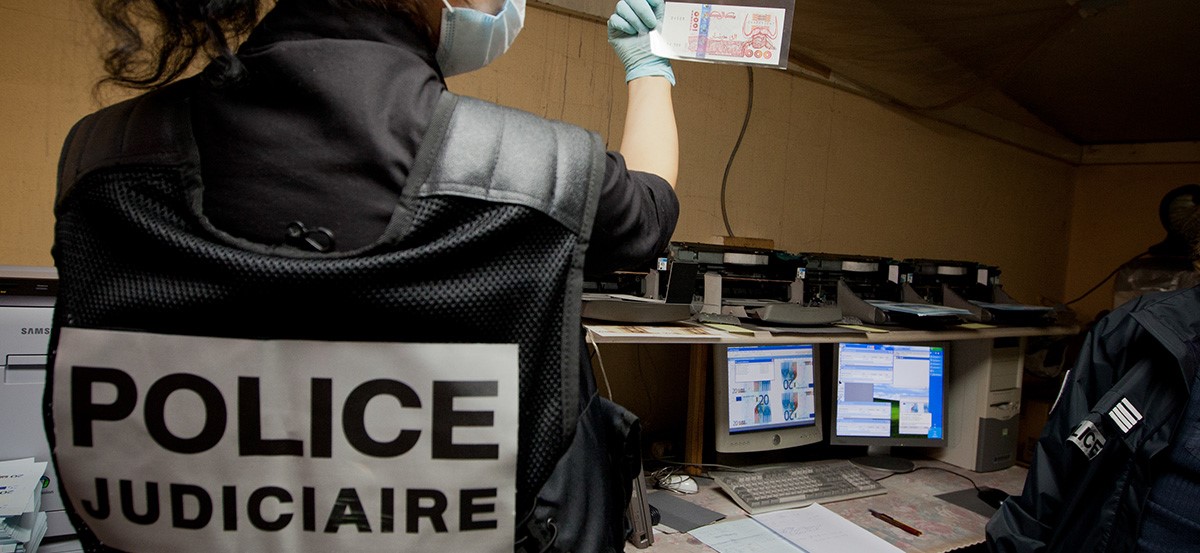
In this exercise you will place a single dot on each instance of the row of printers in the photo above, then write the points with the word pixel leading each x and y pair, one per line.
pixel 740 285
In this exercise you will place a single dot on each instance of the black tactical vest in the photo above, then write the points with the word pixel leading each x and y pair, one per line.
pixel 485 245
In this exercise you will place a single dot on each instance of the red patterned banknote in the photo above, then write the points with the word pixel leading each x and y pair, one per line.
pixel 714 32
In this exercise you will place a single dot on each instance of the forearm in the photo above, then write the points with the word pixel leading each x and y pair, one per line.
pixel 650 142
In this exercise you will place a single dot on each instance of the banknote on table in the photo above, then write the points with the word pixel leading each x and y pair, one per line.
pixel 722 33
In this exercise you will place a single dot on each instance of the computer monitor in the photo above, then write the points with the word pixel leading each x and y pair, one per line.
pixel 889 395
pixel 767 397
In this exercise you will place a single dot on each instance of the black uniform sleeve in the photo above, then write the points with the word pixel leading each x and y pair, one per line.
pixel 1070 500
pixel 635 218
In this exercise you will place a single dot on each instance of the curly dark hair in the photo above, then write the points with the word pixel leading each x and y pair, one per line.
pixel 180 31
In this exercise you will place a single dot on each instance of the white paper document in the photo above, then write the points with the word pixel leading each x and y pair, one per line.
pixel 20 485
pixel 812 529
pixel 816 529
pixel 714 32
pixel 742 536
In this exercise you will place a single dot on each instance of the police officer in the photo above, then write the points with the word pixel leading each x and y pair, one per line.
pixel 321 183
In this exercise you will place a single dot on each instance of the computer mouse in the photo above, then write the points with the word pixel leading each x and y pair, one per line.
pixel 681 483
pixel 992 496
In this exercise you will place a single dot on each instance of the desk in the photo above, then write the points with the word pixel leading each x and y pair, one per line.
pixel 910 498
pixel 699 359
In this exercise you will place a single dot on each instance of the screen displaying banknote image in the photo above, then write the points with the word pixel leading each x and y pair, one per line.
pixel 756 35
pixel 770 387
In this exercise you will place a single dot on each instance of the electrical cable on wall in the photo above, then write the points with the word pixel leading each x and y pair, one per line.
pixel 1110 275
pixel 736 145
pixel 1179 213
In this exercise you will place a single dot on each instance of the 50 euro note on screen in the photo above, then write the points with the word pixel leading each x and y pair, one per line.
pixel 722 33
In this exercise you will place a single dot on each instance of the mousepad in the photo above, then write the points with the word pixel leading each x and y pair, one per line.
pixel 968 499
pixel 679 513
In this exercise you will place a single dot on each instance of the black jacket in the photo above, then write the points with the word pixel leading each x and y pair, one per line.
pixel 1116 414
pixel 324 129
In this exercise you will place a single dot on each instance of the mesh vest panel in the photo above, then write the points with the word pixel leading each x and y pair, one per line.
pixel 131 255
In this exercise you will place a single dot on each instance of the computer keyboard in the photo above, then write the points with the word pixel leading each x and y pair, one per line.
pixel 790 485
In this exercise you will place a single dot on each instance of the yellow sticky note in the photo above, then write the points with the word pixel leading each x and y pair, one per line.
pixel 861 328
pixel 733 329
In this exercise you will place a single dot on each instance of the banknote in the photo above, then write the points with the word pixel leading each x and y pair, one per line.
pixel 721 33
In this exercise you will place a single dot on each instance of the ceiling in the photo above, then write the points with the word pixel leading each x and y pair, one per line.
pixel 1055 76
pixel 1096 72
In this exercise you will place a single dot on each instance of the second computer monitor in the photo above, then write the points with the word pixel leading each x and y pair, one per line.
pixel 889 395
pixel 767 397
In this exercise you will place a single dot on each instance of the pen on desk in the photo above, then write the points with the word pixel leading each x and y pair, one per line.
pixel 895 522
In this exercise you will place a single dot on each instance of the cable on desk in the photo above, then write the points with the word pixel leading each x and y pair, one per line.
pixel 591 338
pixel 967 478
pixel 660 474
pixel 704 465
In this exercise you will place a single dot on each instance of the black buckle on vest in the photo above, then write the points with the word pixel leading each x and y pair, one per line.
pixel 539 537
pixel 319 239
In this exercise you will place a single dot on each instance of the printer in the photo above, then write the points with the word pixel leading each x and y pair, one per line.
pixel 746 283
pixel 972 286
pixel 27 296
pixel 871 290
pixel 867 277
pixel 636 296
pixel 931 279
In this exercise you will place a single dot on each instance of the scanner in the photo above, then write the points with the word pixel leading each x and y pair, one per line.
pixel 795 314
pixel 760 284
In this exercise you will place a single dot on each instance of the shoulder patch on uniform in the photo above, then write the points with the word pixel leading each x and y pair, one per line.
pixel 1088 438
pixel 1125 415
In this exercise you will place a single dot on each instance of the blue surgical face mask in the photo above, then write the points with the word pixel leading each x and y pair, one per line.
pixel 471 39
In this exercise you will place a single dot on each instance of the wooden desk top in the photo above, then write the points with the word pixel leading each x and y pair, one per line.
pixel 827 335
pixel 910 498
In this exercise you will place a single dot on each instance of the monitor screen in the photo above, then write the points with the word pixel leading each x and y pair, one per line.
pixel 890 395
pixel 766 397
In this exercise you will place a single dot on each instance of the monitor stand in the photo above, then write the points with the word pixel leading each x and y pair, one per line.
pixel 880 457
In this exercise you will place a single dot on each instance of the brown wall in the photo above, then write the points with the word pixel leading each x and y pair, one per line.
pixel 1115 217
pixel 46 73
pixel 819 169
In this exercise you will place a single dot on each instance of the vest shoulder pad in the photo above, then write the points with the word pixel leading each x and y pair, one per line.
pixel 152 129
pixel 514 157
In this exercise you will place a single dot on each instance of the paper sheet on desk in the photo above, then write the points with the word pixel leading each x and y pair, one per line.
pixel 816 529
pixel 742 536
pixel 812 529
pixel 681 331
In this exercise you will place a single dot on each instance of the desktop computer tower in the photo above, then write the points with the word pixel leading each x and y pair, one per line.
pixel 984 404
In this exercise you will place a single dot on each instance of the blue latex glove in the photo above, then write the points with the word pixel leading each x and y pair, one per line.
pixel 628 33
